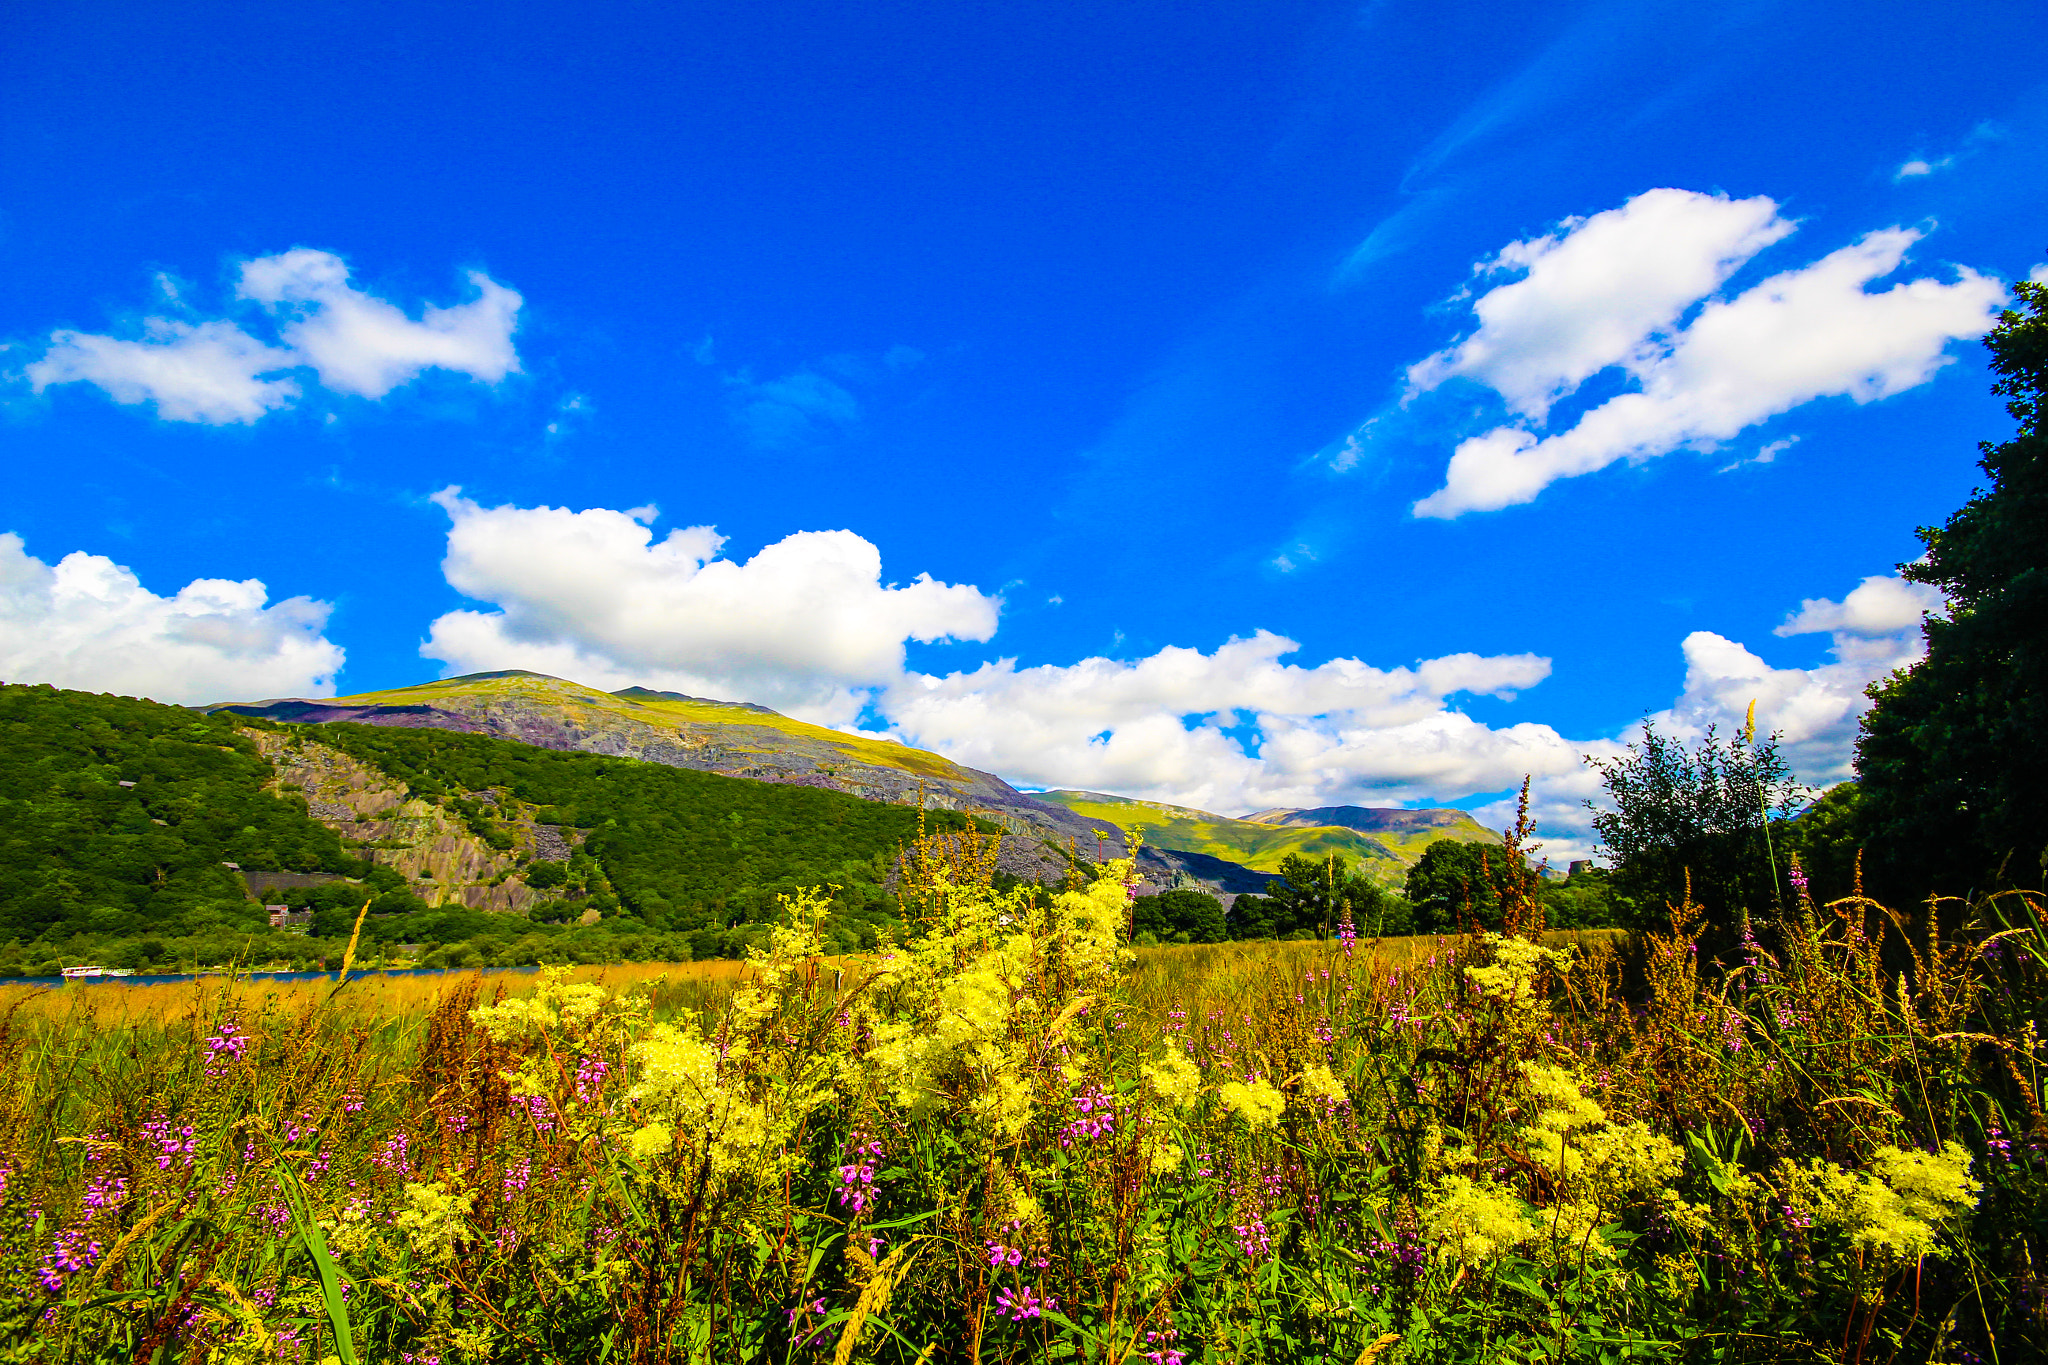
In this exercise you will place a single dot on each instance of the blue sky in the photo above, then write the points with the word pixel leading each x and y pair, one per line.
pixel 1238 405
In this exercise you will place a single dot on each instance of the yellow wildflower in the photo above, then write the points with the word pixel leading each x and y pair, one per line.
pixel 1173 1077
pixel 1473 1223
pixel 1256 1102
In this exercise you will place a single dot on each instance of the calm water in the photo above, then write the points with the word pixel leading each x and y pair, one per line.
pixel 154 979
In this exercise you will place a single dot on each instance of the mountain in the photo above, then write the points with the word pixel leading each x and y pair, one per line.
pixel 141 833
pixel 1386 842
pixel 741 739
pixel 1404 832
pixel 1183 830
pixel 734 739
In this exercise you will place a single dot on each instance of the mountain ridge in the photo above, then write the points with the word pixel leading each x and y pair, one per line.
pixel 745 739
pixel 1386 841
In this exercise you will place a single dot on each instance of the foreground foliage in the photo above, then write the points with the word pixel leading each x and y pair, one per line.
pixel 977 1147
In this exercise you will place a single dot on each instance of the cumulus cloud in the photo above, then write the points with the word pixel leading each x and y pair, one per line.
pixel 1239 729
pixel 1813 332
pixel 809 626
pixel 213 371
pixel 805 625
pixel 360 344
pixel 1872 631
pixel 1231 729
pixel 87 622
pixel 1881 606
pixel 209 372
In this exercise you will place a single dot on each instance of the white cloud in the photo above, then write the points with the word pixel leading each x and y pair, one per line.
pixel 204 373
pixel 211 371
pixel 1873 630
pixel 1808 333
pixel 1881 605
pixel 808 626
pixel 805 625
pixel 1919 167
pixel 363 345
pixel 1170 726
pixel 1593 291
pixel 1237 729
pixel 88 623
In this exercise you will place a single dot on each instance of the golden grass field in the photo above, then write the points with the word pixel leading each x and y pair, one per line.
pixel 1162 979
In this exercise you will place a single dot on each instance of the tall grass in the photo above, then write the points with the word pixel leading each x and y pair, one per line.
pixel 1011 1140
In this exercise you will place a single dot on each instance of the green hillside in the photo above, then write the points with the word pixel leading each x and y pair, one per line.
pixel 119 817
pixel 1404 832
pixel 122 823
pixel 733 739
pixel 1261 847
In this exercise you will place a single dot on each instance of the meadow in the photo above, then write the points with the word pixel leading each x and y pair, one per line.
pixel 1013 1139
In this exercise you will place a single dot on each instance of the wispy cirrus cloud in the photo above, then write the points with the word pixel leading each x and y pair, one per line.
pixel 213 371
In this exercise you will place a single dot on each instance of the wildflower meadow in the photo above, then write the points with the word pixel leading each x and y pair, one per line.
pixel 1005 1139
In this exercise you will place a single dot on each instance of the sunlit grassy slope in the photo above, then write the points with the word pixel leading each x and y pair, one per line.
pixel 1261 845
pixel 593 709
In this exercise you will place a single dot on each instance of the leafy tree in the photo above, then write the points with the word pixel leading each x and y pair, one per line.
pixel 1455 880
pixel 1699 811
pixel 1312 899
pixel 1951 754
pixel 1825 838
pixel 1584 900
pixel 1181 915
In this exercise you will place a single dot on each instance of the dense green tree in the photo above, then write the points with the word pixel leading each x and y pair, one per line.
pixel 1697 812
pixel 1584 900
pixel 1825 838
pixel 1951 754
pixel 1181 915
pixel 119 815
pixel 1455 882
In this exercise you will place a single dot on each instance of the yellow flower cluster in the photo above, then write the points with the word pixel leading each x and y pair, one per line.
pixel 1255 1101
pixel 1173 1077
pixel 1894 1208
pixel 978 1007
pixel 1589 1155
pixel 1472 1222
pixel 679 1091
pixel 556 1002
pixel 435 1220
pixel 1511 977
pixel 1319 1082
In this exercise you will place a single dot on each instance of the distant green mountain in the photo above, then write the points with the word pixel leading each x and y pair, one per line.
pixel 1385 842
pixel 1404 832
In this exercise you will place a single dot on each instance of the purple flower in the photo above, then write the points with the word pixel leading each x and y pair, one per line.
pixel 857 1177
pixel 1022 1304
pixel 224 1048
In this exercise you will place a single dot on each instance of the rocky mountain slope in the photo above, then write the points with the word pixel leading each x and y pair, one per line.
pixel 443 862
pixel 739 739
